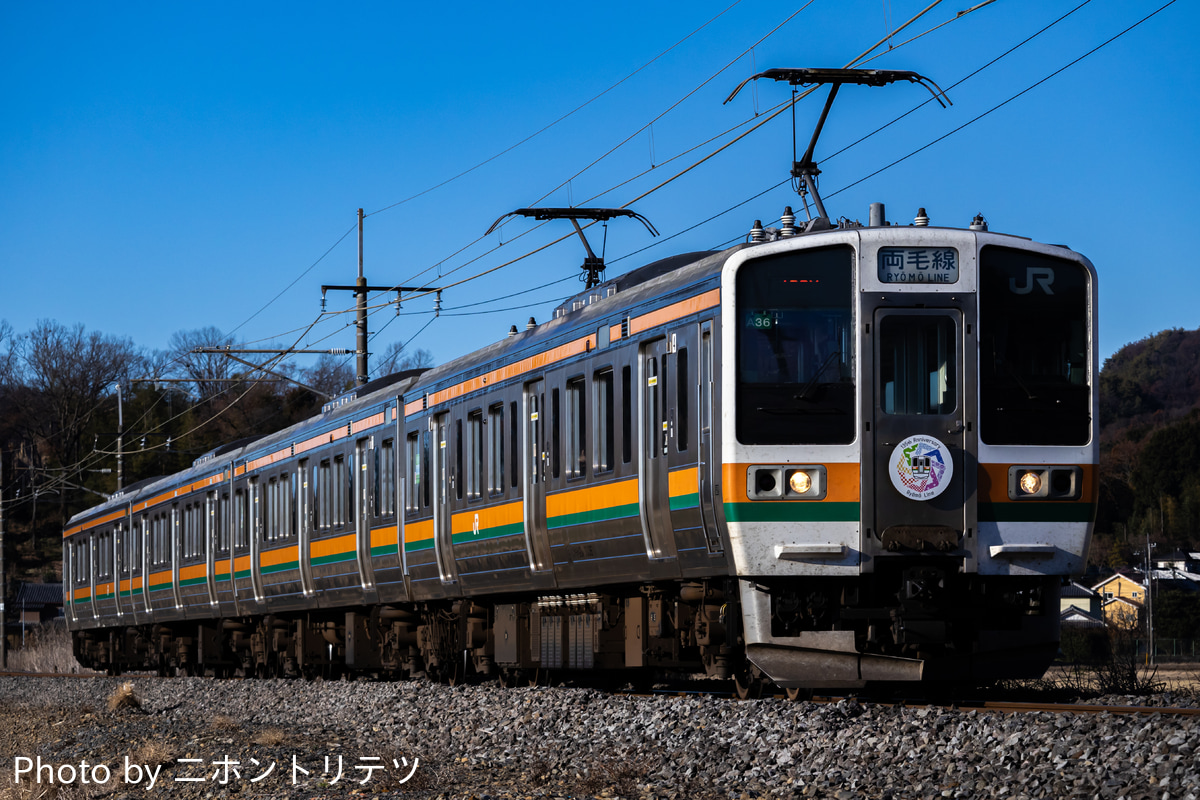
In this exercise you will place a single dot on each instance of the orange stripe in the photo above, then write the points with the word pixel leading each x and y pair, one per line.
pixel 993 483
pixel 332 547
pixel 491 517
pixel 194 571
pixel 370 422
pixel 382 536
pixel 622 493
pixel 269 558
pixel 418 531
pixel 675 311
pixel 683 482
pixel 842 479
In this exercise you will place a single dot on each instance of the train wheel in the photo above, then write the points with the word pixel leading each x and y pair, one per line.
pixel 748 683
pixel 796 694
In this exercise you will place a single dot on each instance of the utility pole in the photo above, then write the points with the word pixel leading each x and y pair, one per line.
pixel 360 289
pixel 3 577
pixel 120 440
pixel 360 294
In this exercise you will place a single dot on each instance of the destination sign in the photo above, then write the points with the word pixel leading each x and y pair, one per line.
pixel 918 265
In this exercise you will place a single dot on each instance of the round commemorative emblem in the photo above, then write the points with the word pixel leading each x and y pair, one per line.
pixel 921 467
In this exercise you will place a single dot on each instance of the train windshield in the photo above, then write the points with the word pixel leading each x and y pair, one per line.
pixel 795 348
pixel 1034 359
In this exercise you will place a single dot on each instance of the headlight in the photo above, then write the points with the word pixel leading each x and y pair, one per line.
pixel 800 482
pixel 1030 483
pixel 786 482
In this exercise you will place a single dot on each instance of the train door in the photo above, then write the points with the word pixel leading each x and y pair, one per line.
pixel 304 529
pixel 918 410
pixel 442 510
pixel 362 512
pixel 535 465
pixel 257 534
pixel 120 568
pixel 654 424
pixel 708 470
pixel 210 546
pixel 142 525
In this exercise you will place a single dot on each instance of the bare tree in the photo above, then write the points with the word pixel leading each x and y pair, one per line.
pixel 397 358
pixel 210 371
pixel 331 374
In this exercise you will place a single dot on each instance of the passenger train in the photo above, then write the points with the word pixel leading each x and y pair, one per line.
pixel 832 456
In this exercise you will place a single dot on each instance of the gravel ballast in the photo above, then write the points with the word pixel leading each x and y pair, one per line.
pixel 433 741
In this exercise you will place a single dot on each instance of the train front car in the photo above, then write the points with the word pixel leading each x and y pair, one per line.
pixel 910 451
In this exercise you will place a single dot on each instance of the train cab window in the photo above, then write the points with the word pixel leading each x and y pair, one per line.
pixel 576 427
pixel 917 358
pixel 603 383
pixel 475 455
pixel 495 449
pixel 795 348
pixel 1034 352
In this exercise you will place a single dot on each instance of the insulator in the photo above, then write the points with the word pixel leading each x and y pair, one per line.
pixel 787 223
pixel 756 232
pixel 979 223
pixel 922 219
pixel 512 331
pixel 531 324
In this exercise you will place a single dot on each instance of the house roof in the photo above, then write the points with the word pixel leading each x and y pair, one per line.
pixel 39 594
pixel 1125 600
pixel 1132 577
pixel 1074 589
pixel 1077 617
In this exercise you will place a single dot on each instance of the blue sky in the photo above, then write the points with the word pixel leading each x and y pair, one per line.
pixel 166 167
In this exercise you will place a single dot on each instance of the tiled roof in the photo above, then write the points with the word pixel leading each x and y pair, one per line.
pixel 39 594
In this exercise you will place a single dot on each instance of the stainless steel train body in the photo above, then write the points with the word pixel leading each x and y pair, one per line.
pixel 859 455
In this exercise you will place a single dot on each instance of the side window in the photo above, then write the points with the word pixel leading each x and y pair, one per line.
pixel 475 455
pixel 576 427
pixel 426 492
pixel 626 414
pixel 241 531
pixel 683 395
pixel 555 442
pixel 412 480
pixel 459 476
pixel 496 449
pixel 603 383
pixel 385 480
pixel 514 450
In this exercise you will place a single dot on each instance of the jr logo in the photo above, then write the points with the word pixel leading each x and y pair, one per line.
pixel 1042 276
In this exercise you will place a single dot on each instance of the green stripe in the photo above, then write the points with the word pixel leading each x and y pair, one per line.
pixel 417 546
pixel 108 596
pixel 336 558
pixel 159 587
pixel 384 550
pixel 597 515
pixel 685 501
pixel 284 567
pixel 223 578
pixel 494 532
pixel 242 573
pixel 134 593
pixel 194 581
pixel 792 511
pixel 1037 512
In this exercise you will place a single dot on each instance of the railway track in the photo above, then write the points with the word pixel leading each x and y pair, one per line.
pixel 1001 706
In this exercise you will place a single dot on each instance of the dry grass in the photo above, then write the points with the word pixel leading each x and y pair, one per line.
pixel 152 754
pixel 270 737
pixel 224 723
pixel 123 697
pixel 47 649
